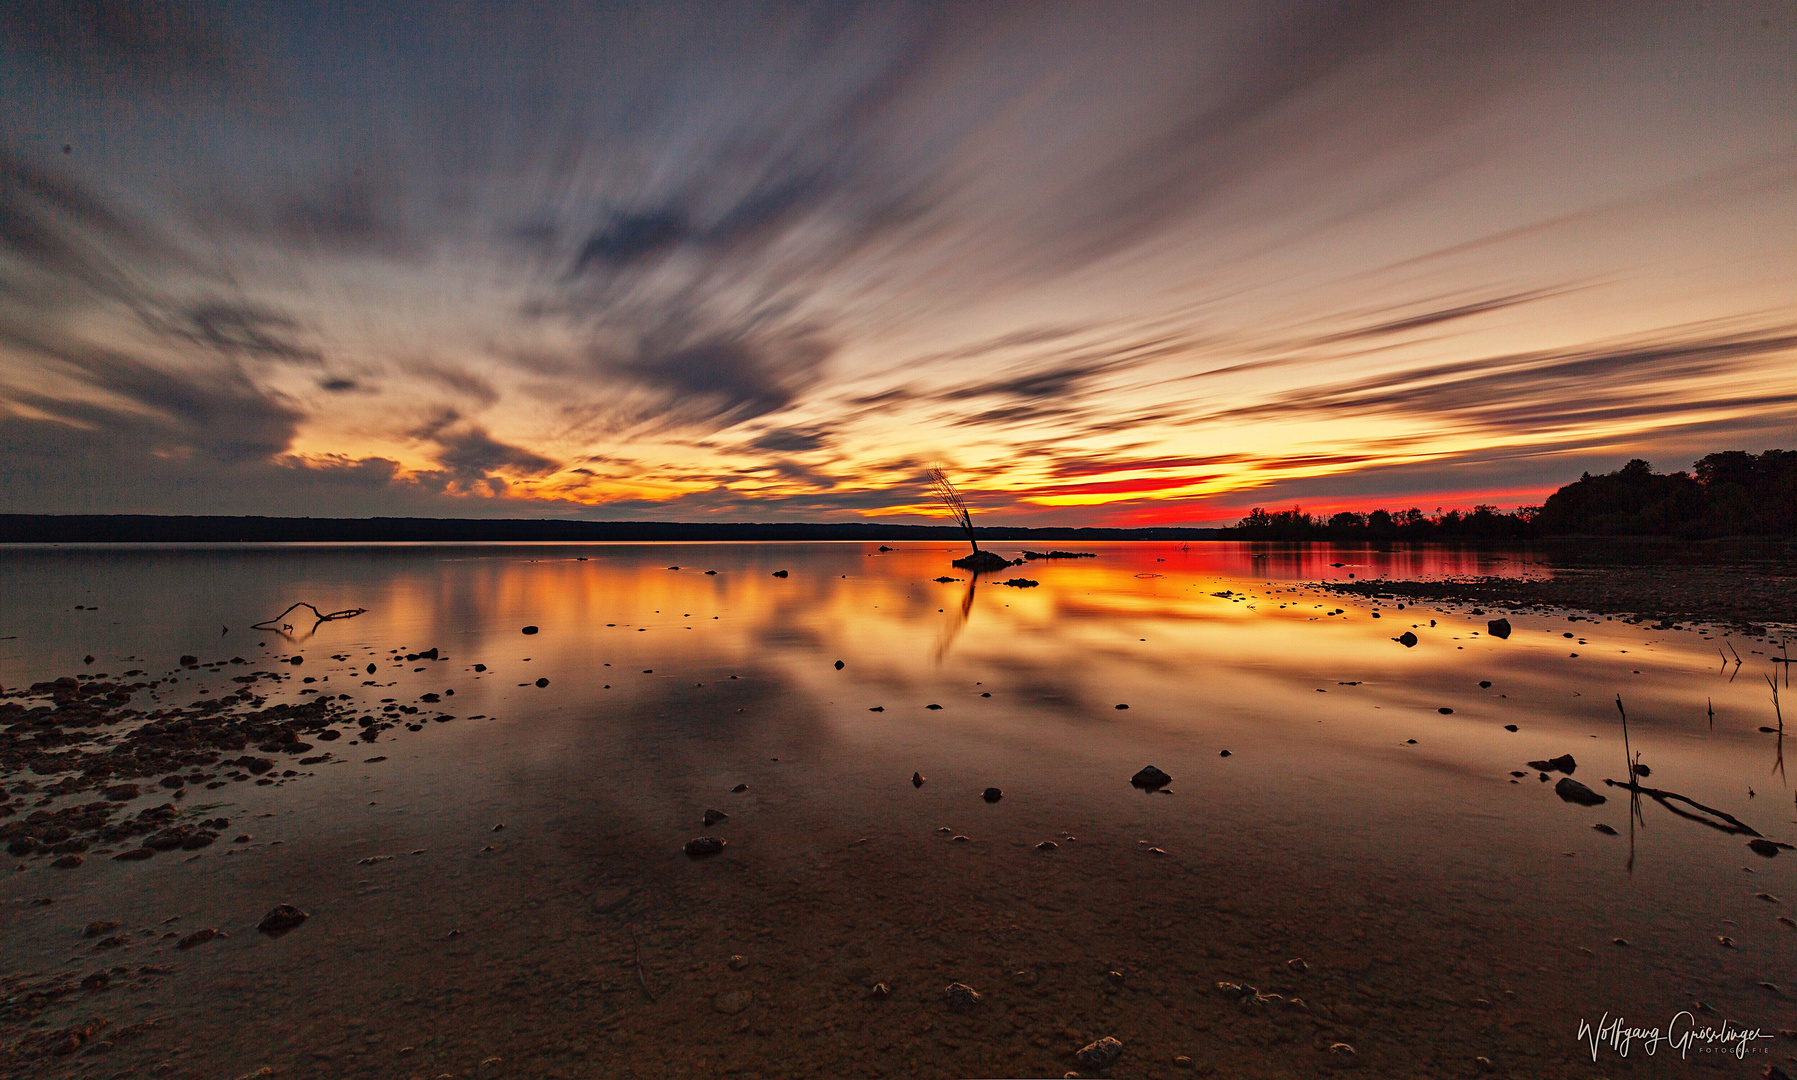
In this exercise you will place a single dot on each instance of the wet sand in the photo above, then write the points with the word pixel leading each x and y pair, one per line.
pixel 510 897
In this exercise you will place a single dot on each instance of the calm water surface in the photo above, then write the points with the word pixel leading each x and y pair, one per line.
pixel 1444 909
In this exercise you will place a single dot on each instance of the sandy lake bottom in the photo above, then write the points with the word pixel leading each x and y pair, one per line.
pixel 1373 881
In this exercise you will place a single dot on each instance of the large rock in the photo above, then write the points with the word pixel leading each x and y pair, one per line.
pixel 1150 778
pixel 983 560
pixel 1498 628
pixel 1406 639
pixel 1574 792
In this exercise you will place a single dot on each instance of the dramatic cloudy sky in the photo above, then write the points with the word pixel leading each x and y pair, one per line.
pixel 1110 263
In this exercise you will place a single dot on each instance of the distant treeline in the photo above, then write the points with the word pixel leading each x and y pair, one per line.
pixel 1733 493
pixel 151 528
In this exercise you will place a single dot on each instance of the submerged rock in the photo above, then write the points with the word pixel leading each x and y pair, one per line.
pixel 1150 778
pixel 917 779
pixel 283 918
pixel 1498 628
pixel 1101 1054
pixel 1406 639
pixel 962 998
pixel 700 846
pixel 1564 763
pixel 712 817
pixel 1574 792
pixel 1763 847
pixel 992 794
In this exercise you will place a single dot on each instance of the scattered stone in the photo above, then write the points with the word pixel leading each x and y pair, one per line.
pixel 1182 1062
pixel 779 573
pixel 542 683
pixel 839 665
pixel 1150 778
pixel 739 789
pixel 68 862
pixel 962 998
pixel 1445 711
pixel 1099 1055
pixel 1224 754
pixel 283 918
pixel 198 937
pixel 1763 847
pixel 932 706
pixel 1498 628
pixel 1574 792
pixel 1564 763
pixel 1406 639
pixel 712 817
pixel 1297 966
pixel 917 779
pixel 1122 706
pixel 731 1002
pixel 99 928
pixel 737 963
pixel 1509 727
pixel 530 630
pixel 1047 845
pixel 700 846
pixel 1605 829
pixel 992 794
pixel 134 855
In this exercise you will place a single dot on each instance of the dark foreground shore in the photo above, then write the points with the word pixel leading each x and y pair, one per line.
pixel 1751 596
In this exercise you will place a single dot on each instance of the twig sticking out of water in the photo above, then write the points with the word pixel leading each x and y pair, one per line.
pixel 944 490
pixel 1735 825
pixel 1776 711
pixel 1712 707
pixel 320 616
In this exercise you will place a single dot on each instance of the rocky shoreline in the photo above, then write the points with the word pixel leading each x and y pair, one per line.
pixel 91 733
pixel 1755 598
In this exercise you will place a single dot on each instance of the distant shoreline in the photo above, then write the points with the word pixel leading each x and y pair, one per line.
pixel 158 529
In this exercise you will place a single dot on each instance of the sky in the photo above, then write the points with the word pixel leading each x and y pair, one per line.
pixel 1106 263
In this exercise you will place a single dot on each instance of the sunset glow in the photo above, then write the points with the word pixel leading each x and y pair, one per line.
pixel 732 262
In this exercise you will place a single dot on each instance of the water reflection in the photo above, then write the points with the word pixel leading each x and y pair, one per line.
pixel 1368 815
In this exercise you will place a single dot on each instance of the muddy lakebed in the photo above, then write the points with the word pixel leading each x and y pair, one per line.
pixel 933 860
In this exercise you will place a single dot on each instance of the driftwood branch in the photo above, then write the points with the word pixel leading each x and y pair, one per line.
pixel 944 490
pixel 1664 798
pixel 319 616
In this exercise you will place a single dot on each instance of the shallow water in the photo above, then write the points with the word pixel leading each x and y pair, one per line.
pixel 1443 912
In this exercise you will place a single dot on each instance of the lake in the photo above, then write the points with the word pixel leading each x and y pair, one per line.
pixel 1352 867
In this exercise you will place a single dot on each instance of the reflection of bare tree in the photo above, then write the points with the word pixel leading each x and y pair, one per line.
pixel 956 624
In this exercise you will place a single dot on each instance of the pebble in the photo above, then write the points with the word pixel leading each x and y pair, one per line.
pixel 917 779
pixel 731 1002
pixel 737 963
pixel 739 789
pixel 962 998
pixel 700 846
pixel 1605 829
pixel 282 918
pixel 1100 1054
pixel 530 630
pixel 1047 845
pixel 199 937
pixel 712 817
pixel 992 794
pixel 1574 792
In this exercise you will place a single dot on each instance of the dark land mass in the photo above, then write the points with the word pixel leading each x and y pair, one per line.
pixel 1748 595
pixel 153 529
pixel 1727 494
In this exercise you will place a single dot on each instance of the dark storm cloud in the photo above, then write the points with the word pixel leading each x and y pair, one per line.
pixel 726 378
pixel 78 241
pixel 1541 391
pixel 471 452
pixel 1439 315
pixel 631 238
pixel 247 330
pixel 791 440
pixel 164 43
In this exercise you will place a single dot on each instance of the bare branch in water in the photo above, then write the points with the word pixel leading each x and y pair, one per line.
pixel 277 625
pixel 944 490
